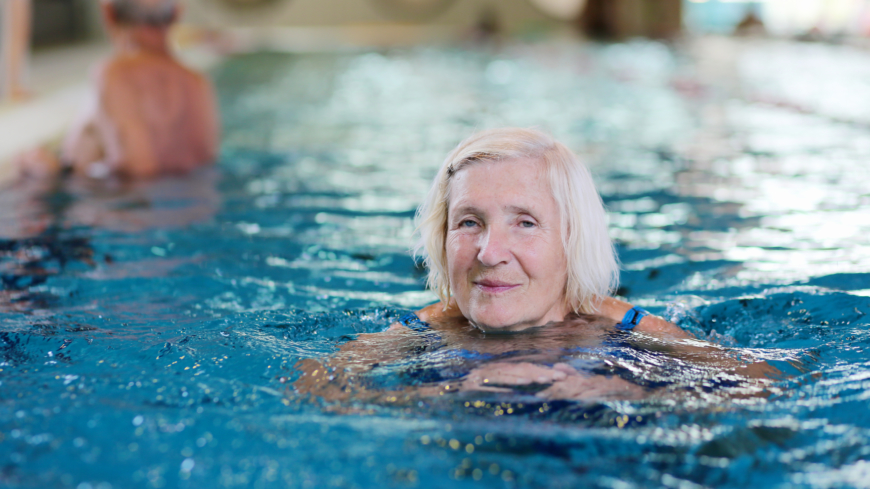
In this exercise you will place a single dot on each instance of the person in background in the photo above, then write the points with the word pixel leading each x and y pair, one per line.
pixel 15 44
pixel 150 115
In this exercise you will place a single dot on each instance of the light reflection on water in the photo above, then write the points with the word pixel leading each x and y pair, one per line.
pixel 151 334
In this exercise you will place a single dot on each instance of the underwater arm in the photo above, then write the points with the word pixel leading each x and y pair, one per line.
pixel 339 377
pixel 686 346
pixel 709 354
pixel 615 309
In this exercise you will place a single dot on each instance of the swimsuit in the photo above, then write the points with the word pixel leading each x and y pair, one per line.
pixel 454 363
pixel 432 361
pixel 414 323
pixel 596 360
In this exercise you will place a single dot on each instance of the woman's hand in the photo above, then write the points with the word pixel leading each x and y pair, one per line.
pixel 564 381
pixel 578 386
pixel 499 376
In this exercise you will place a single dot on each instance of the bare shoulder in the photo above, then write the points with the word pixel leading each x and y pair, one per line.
pixel 196 79
pixel 197 85
pixel 196 76
pixel 430 311
pixel 114 70
pixel 438 311
pixel 434 312
pixel 127 66
pixel 123 73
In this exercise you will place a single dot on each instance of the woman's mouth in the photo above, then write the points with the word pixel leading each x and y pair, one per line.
pixel 494 286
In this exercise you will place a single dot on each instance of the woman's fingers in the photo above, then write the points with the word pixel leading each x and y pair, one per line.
pixel 567 369
pixel 504 373
pixel 579 387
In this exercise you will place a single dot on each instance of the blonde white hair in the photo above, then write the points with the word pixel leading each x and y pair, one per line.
pixel 593 272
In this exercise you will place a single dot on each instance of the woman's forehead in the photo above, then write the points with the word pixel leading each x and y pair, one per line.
pixel 515 183
pixel 500 172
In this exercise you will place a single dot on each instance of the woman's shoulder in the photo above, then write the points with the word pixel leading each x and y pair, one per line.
pixel 429 312
pixel 439 311
pixel 434 312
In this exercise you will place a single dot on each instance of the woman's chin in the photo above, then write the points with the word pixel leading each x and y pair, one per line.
pixel 508 319
pixel 498 324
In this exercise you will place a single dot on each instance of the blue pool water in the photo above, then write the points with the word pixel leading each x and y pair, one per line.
pixel 150 335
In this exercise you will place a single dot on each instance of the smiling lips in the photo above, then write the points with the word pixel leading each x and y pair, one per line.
pixel 494 286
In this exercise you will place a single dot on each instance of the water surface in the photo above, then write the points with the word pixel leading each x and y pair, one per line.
pixel 150 334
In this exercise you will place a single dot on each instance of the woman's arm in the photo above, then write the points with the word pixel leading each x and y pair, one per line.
pixel 338 377
pixel 615 309
pixel 693 350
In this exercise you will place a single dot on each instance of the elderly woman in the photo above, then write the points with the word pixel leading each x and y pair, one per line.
pixel 515 238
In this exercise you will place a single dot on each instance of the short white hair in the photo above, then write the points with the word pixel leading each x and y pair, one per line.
pixel 593 272
pixel 151 12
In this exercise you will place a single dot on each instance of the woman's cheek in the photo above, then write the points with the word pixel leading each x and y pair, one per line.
pixel 456 262
pixel 541 254
pixel 451 245
pixel 459 243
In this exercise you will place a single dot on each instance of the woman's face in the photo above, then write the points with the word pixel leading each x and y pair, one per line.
pixel 505 259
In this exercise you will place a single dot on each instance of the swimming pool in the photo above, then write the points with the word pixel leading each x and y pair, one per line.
pixel 149 334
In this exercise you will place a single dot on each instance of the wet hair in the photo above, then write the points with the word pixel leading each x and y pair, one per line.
pixel 139 12
pixel 593 272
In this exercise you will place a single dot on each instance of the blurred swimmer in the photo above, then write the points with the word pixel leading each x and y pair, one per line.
pixel 150 114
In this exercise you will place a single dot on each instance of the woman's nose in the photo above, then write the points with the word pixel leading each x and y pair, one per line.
pixel 494 246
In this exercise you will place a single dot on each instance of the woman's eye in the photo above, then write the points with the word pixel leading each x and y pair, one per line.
pixel 468 223
pixel 527 224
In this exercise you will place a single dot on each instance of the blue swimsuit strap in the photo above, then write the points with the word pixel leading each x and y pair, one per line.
pixel 632 318
pixel 414 323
